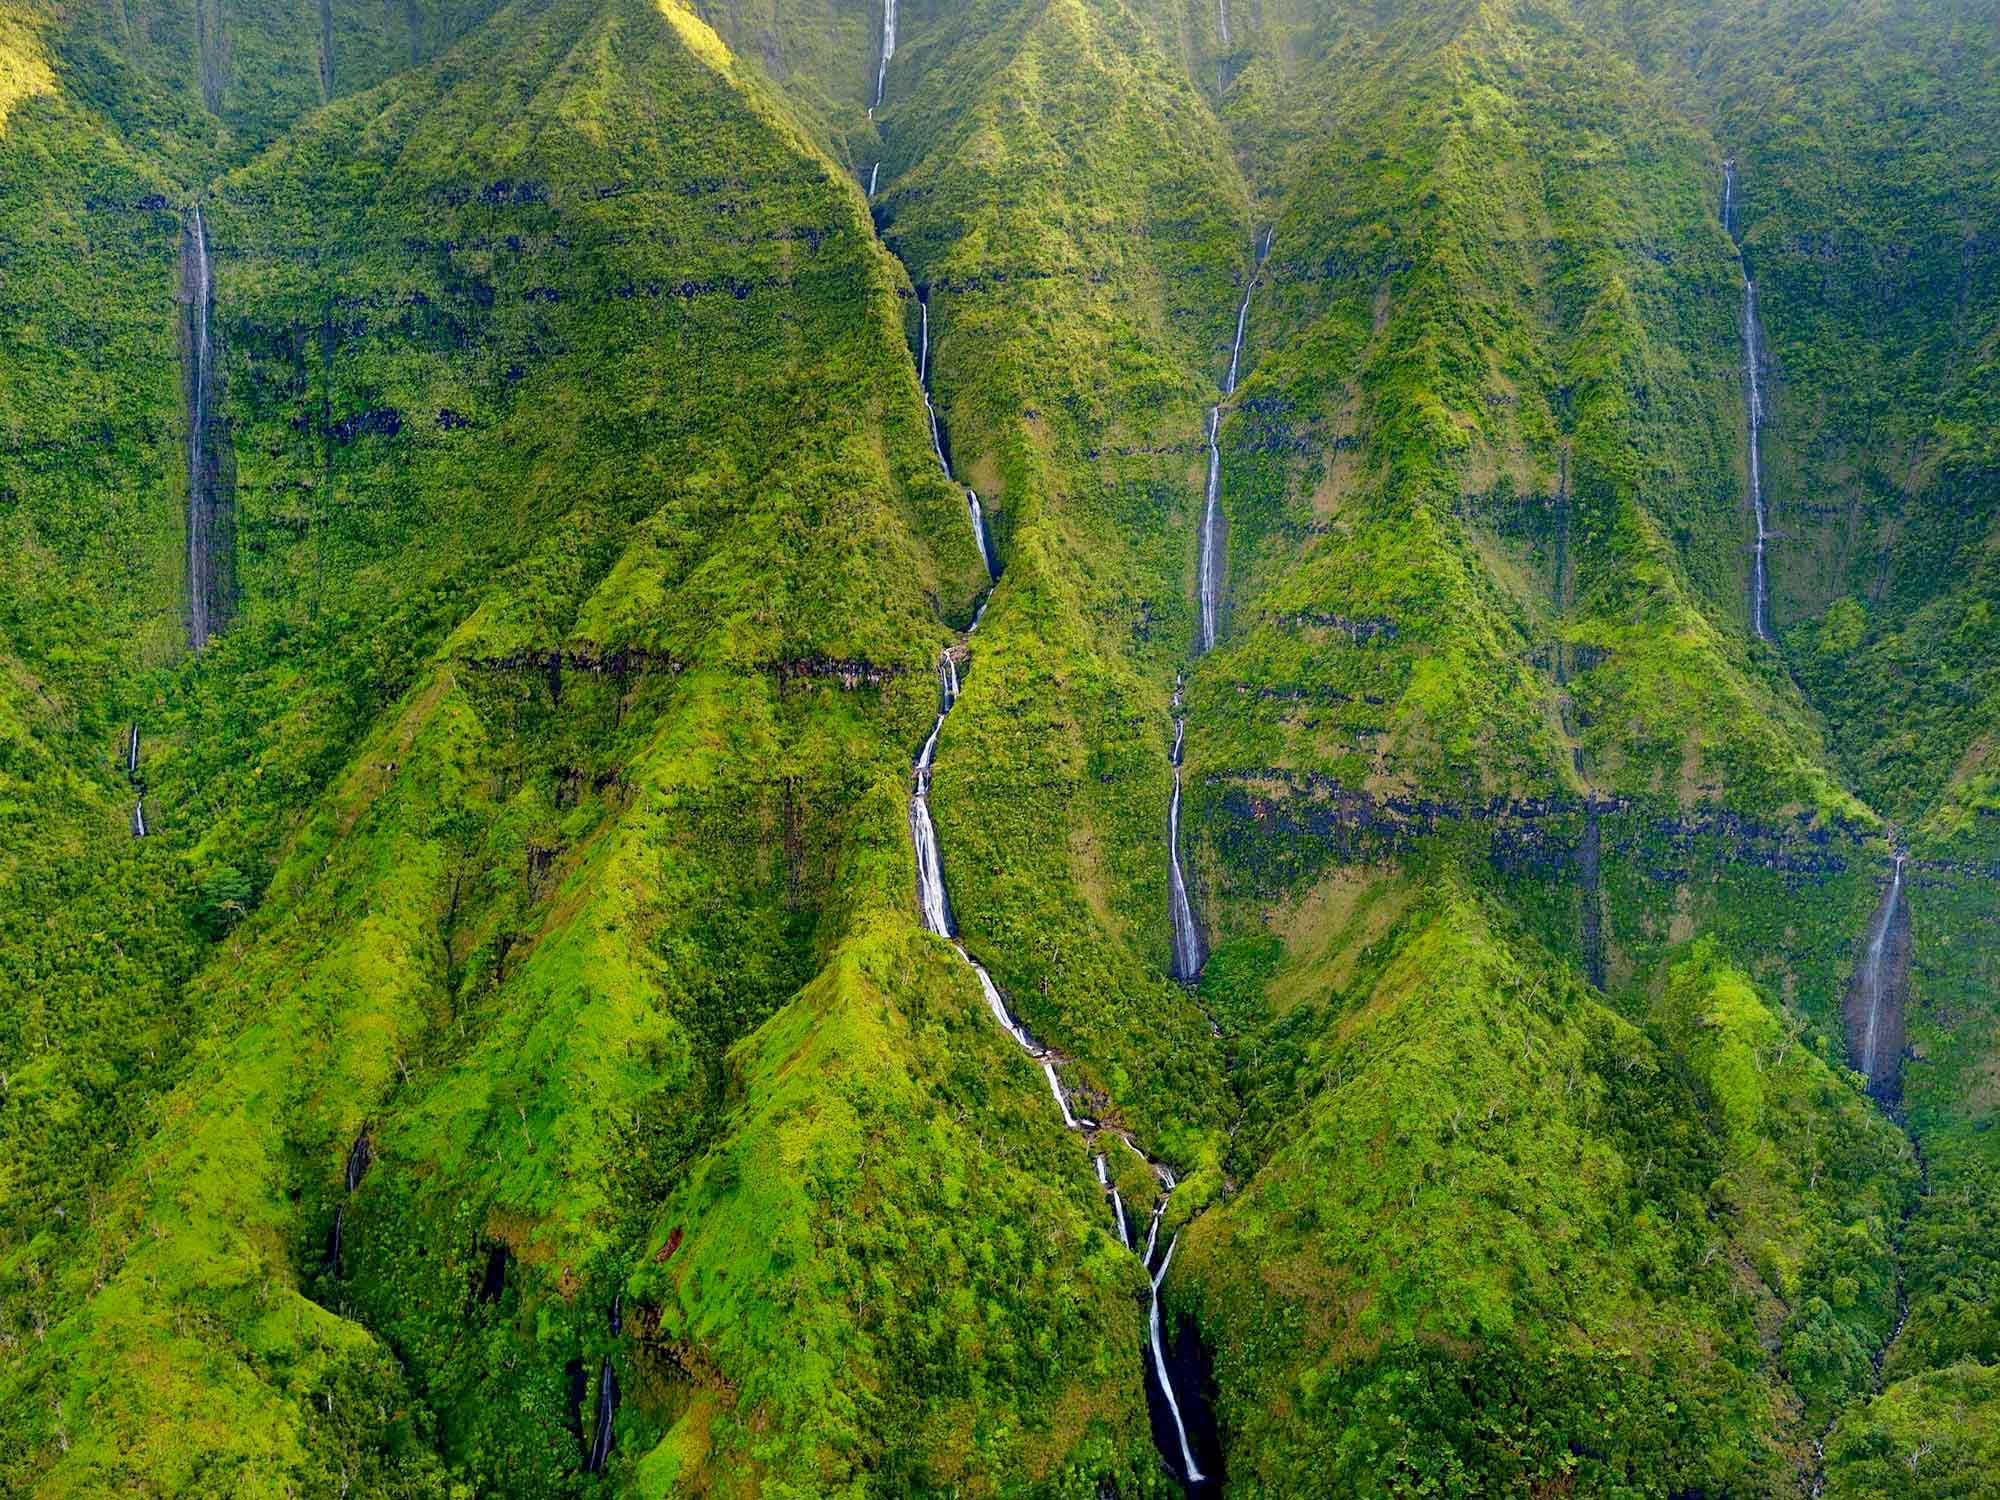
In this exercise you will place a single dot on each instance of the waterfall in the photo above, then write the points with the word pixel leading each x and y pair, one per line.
pixel 1211 530
pixel 931 899
pixel 1056 1088
pixel 1753 388
pixel 1211 516
pixel 888 51
pixel 200 504
pixel 132 775
pixel 359 1155
pixel 1188 953
pixel 1117 1202
pixel 980 535
pixel 1760 608
pixel 1871 986
pixel 1222 7
pixel 873 173
pixel 1191 1469
pixel 934 905
pixel 934 909
pixel 607 1408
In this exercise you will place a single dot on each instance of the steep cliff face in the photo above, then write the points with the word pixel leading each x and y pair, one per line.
pixel 578 438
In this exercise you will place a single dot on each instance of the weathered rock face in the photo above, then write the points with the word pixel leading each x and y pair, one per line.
pixel 1315 820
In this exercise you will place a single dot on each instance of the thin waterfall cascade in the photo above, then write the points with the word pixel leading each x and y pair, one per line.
pixel 1189 950
pixel 1222 11
pixel 1189 1467
pixel 201 505
pixel 977 513
pixel 934 910
pixel 888 51
pixel 1760 584
pixel 359 1157
pixel 1874 1008
pixel 1211 515
pixel 1211 535
pixel 608 1396
pixel 353 1169
pixel 981 534
pixel 1753 401
pixel 874 172
pixel 138 786
pixel 934 905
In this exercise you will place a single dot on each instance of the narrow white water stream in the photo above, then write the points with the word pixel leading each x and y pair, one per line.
pixel 1871 974
pixel 200 563
pixel 1211 516
pixel 1760 605
pixel 1191 1468
pixel 1190 952
pixel 132 775
pixel 973 508
pixel 934 905
pixel 1211 530
pixel 934 909
pixel 888 51
pixel 1753 400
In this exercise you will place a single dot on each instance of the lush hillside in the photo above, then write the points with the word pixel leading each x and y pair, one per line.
pixel 508 468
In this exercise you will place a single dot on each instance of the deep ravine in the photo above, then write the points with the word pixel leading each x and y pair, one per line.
pixel 1166 1402
pixel 1753 399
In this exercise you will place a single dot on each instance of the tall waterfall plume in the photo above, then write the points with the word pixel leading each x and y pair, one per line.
pixel 935 912
pixel 201 503
pixel 1875 995
pixel 888 51
pixel 1753 398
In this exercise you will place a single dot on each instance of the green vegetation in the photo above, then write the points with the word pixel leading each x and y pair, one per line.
pixel 525 926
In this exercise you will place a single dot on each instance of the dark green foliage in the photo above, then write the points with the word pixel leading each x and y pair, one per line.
pixel 222 899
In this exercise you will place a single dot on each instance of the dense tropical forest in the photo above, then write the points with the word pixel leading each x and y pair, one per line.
pixel 1095 748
